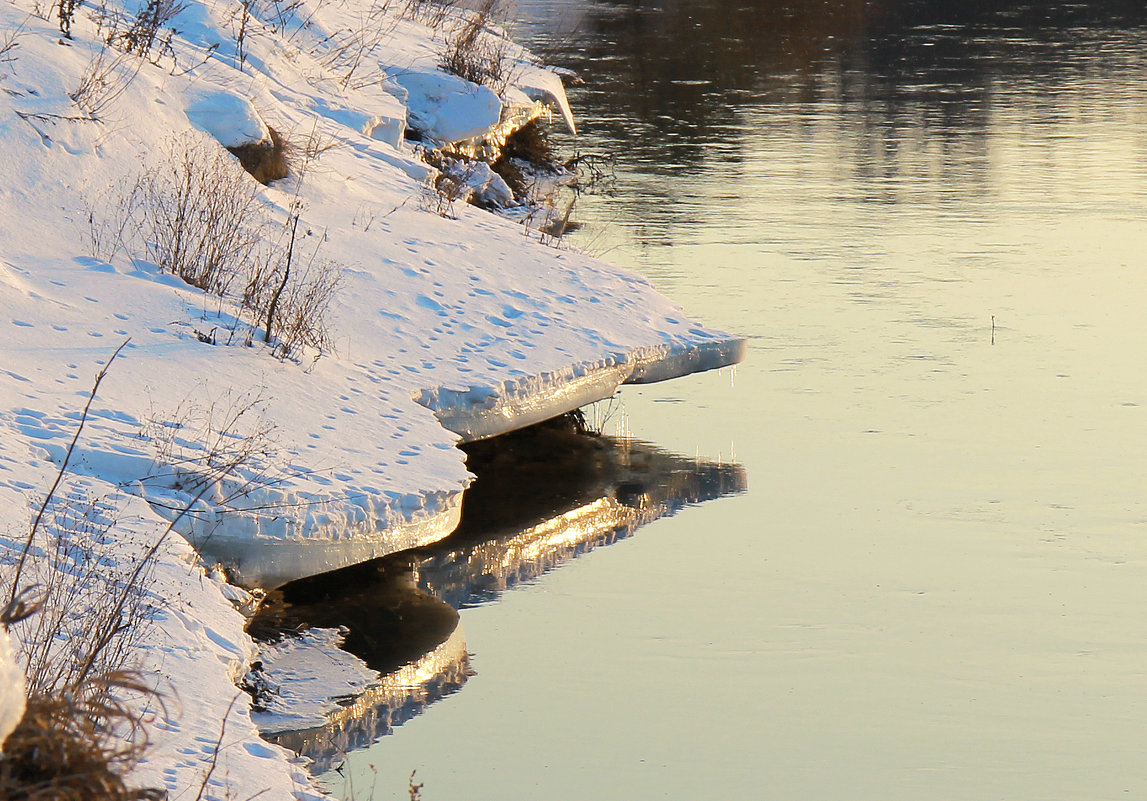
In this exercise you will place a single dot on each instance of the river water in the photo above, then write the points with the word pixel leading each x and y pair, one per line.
pixel 930 220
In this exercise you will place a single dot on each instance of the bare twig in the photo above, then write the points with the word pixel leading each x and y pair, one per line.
pixel 217 749
pixel 60 473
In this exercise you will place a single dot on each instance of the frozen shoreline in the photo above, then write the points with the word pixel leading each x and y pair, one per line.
pixel 445 329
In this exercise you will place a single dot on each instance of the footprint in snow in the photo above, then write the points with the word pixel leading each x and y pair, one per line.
pixel 259 750
pixel 431 304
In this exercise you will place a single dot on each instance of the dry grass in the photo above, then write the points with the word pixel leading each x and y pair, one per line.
pixel 76 746
pixel 265 161
pixel 475 52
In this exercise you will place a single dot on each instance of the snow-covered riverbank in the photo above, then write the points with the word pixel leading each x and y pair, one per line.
pixel 449 322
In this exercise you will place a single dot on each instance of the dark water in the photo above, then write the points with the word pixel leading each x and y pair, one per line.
pixel 930 219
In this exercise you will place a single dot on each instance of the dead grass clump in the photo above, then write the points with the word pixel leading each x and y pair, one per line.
pixel 529 146
pixel 266 161
pixel 70 746
pixel 476 53
pixel 532 143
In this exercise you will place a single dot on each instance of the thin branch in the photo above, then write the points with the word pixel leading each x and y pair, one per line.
pixel 218 748
pixel 60 473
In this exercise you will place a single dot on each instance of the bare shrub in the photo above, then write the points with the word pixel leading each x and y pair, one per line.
pixel 111 224
pixel 106 77
pixel 205 440
pixel 475 52
pixel 147 28
pixel 9 41
pixel 293 297
pixel 441 191
pixel 199 215
pixel 303 308
pixel 93 609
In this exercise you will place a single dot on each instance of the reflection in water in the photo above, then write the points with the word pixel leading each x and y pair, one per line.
pixel 543 495
pixel 901 101
pixel 397 697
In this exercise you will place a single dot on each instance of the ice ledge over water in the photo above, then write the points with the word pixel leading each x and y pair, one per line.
pixel 480 413
pixel 269 535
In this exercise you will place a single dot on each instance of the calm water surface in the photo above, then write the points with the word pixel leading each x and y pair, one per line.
pixel 930 219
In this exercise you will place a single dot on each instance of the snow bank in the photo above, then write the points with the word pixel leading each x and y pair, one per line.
pixel 445 108
pixel 231 119
pixel 444 328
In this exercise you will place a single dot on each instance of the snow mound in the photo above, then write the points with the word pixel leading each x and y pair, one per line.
pixel 544 85
pixel 445 108
pixel 229 118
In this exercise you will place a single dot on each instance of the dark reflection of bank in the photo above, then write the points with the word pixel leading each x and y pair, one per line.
pixel 548 494
pixel 909 88
pixel 542 495
pixel 410 637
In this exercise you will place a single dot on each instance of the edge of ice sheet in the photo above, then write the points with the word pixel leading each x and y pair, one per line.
pixel 663 363
pixel 476 414
pixel 267 551
pixel 269 561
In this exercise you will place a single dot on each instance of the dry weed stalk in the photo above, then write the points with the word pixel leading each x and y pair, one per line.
pixel 105 79
pixel 199 215
pixel 477 53
pixel 9 41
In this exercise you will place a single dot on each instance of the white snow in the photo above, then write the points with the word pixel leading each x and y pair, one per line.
pixel 445 329
pixel 540 83
pixel 445 108
pixel 231 119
